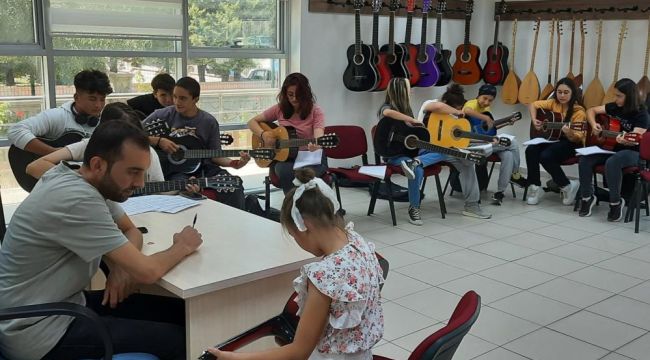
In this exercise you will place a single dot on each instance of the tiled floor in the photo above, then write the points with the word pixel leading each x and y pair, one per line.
pixel 553 286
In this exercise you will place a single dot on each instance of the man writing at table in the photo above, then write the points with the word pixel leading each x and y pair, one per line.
pixel 53 247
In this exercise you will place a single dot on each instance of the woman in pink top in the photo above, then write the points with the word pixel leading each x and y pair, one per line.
pixel 297 108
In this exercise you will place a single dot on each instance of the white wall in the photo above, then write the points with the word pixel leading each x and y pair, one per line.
pixel 324 38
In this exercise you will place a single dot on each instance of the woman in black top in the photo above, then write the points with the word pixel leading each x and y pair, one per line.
pixel 633 116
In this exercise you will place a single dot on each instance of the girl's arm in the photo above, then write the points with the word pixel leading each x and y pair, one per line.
pixel 591 117
pixel 39 166
pixel 254 126
pixel 396 115
pixel 441 108
pixel 475 114
pixel 310 329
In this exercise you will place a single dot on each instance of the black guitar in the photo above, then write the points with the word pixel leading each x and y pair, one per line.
pixel 187 159
pixel 394 137
pixel 360 74
pixel 159 127
pixel 19 159
pixel 219 183
pixel 395 53
pixel 442 55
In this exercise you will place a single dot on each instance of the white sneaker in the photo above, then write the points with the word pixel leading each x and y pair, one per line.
pixel 535 194
pixel 569 192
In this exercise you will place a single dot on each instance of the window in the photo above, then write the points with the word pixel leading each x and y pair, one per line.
pixel 17 22
pixel 249 24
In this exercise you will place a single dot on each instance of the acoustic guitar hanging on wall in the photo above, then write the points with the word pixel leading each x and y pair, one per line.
pixel 496 67
pixel 467 70
pixel 442 55
pixel 360 74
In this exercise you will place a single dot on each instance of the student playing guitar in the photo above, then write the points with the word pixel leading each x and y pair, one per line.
pixel 551 155
pixel 297 108
pixel 633 117
pixel 509 171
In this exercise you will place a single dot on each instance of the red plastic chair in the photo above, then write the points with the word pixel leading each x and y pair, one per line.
pixel 442 344
pixel 641 186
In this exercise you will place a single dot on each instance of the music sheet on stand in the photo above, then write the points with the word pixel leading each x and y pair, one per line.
pixel 161 203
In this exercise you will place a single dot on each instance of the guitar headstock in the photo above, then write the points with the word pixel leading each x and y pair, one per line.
pixel 358 4
pixel 469 8
pixel 623 33
pixel 376 5
pixel 262 153
pixel 514 28
pixel 328 140
pixel 504 141
pixel 426 6
pixel 156 127
pixel 441 7
pixel 394 5
pixel 536 26
pixel 583 29
pixel 475 157
pixel 581 126
pixel 516 116
pixel 632 137
pixel 410 5
pixel 501 8
pixel 224 183
pixel 226 139
pixel 551 27
pixel 560 30
pixel 599 29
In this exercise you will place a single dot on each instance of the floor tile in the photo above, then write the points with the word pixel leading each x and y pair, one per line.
pixel 642 253
pixel 571 292
pixel 397 257
pixel 640 292
pixel 551 264
pixel 545 344
pixel 432 272
pixel 504 250
pixel 535 308
pixel 411 341
pixel 472 346
pixel 426 229
pixel 462 238
pixel 637 349
pixel 580 253
pixel 398 285
pixel 628 234
pixel 470 260
pixel 429 247
pixel 434 302
pixel 605 243
pixel 493 230
pixel 517 275
pixel 500 354
pixel 400 321
pixel 489 290
pixel 499 328
pixel 604 279
pixel 391 236
pixel 535 241
pixel 391 351
pixel 615 356
pixel 597 330
pixel 628 266
pixel 551 217
pixel 562 233
pixel 593 224
pixel 624 309
pixel 520 222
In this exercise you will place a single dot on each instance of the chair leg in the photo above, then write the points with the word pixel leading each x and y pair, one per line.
pixel 391 204
pixel 441 197
pixel 629 213
pixel 645 191
pixel 424 183
pixel 576 203
pixel 444 191
pixel 373 197
pixel 525 193
pixel 267 194
pixel 637 211
pixel 335 181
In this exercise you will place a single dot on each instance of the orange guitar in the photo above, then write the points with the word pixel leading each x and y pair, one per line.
pixel 467 70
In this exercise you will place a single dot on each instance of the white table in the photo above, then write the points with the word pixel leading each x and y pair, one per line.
pixel 239 277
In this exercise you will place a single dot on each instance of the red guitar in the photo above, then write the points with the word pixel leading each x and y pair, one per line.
pixel 467 70
pixel 381 62
pixel 611 130
pixel 496 67
pixel 410 50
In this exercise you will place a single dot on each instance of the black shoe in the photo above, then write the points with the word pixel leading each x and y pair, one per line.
pixel 586 206
pixel 414 216
pixel 616 211
pixel 497 198
pixel 521 181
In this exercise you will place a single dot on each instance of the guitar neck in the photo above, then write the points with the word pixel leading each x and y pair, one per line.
pixel 611 134
pixel 439 149
pixel 496 37
pixel 423 35
pixel 474 136
pixel 550 52
pixel 357 32
pixel 582 48
pixel 501 122
pixel 289 143
pixel 172 185
pixel 391 28
pixel 620 47
pixel 557 51
pixel 375 32
pixel 409 22
pixel 468 19
pixel 555 125
pixel 210 153
pixel 600 38
pixel 514 45
pixel 573 36
pixel 438 29
pixel 532 61
pixel 647 51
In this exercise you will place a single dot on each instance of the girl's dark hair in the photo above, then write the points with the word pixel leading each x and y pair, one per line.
pixel 304 95
pixel 575 96
pixel 454 96
pixel 313 205
pixel 630 89
pixel 121 111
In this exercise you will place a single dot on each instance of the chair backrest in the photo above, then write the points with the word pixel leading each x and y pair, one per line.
pixel 644 147
pixel 352 140
pixel 442 344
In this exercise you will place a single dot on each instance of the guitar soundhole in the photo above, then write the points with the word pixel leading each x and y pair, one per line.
pixel 391 59
pixel 466 58
pixel 423 58
pixel 358 59
pixel 410 142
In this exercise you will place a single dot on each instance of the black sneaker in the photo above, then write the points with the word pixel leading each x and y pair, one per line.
pixel 586 206
pixel 521 181
pixel 497 198
pixel 414 216
pixel 616 211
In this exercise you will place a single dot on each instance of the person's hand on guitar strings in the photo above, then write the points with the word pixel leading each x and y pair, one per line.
pixel 168 146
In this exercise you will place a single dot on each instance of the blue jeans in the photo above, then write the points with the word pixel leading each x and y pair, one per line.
pixel 426 158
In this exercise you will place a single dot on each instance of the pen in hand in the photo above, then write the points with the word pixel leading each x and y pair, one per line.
pixel 194 221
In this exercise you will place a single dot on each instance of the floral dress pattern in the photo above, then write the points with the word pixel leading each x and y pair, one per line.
pixel 351 277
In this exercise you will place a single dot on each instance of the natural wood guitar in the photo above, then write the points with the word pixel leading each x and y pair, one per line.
pixel 286 142
pixel 644 83
pixel 467 70
pixel 548 88
pixel 449 131
pixel 595 92
pixel 510 91
pixel 610 94
pixel 552 125
pixel 529 90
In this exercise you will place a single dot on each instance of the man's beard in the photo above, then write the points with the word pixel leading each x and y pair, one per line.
pixel 111 191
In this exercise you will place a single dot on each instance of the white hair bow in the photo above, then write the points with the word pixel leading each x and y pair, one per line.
pixel 324 188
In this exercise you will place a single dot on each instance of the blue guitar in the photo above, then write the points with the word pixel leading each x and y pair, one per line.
pixel 480 127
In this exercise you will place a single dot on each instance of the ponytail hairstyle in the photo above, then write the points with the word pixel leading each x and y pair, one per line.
pixel 454 96
pixel 575 97
pixel 312 205
pixel 397 96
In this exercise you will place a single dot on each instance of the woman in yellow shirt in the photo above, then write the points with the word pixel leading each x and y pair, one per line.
pixel 551 156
